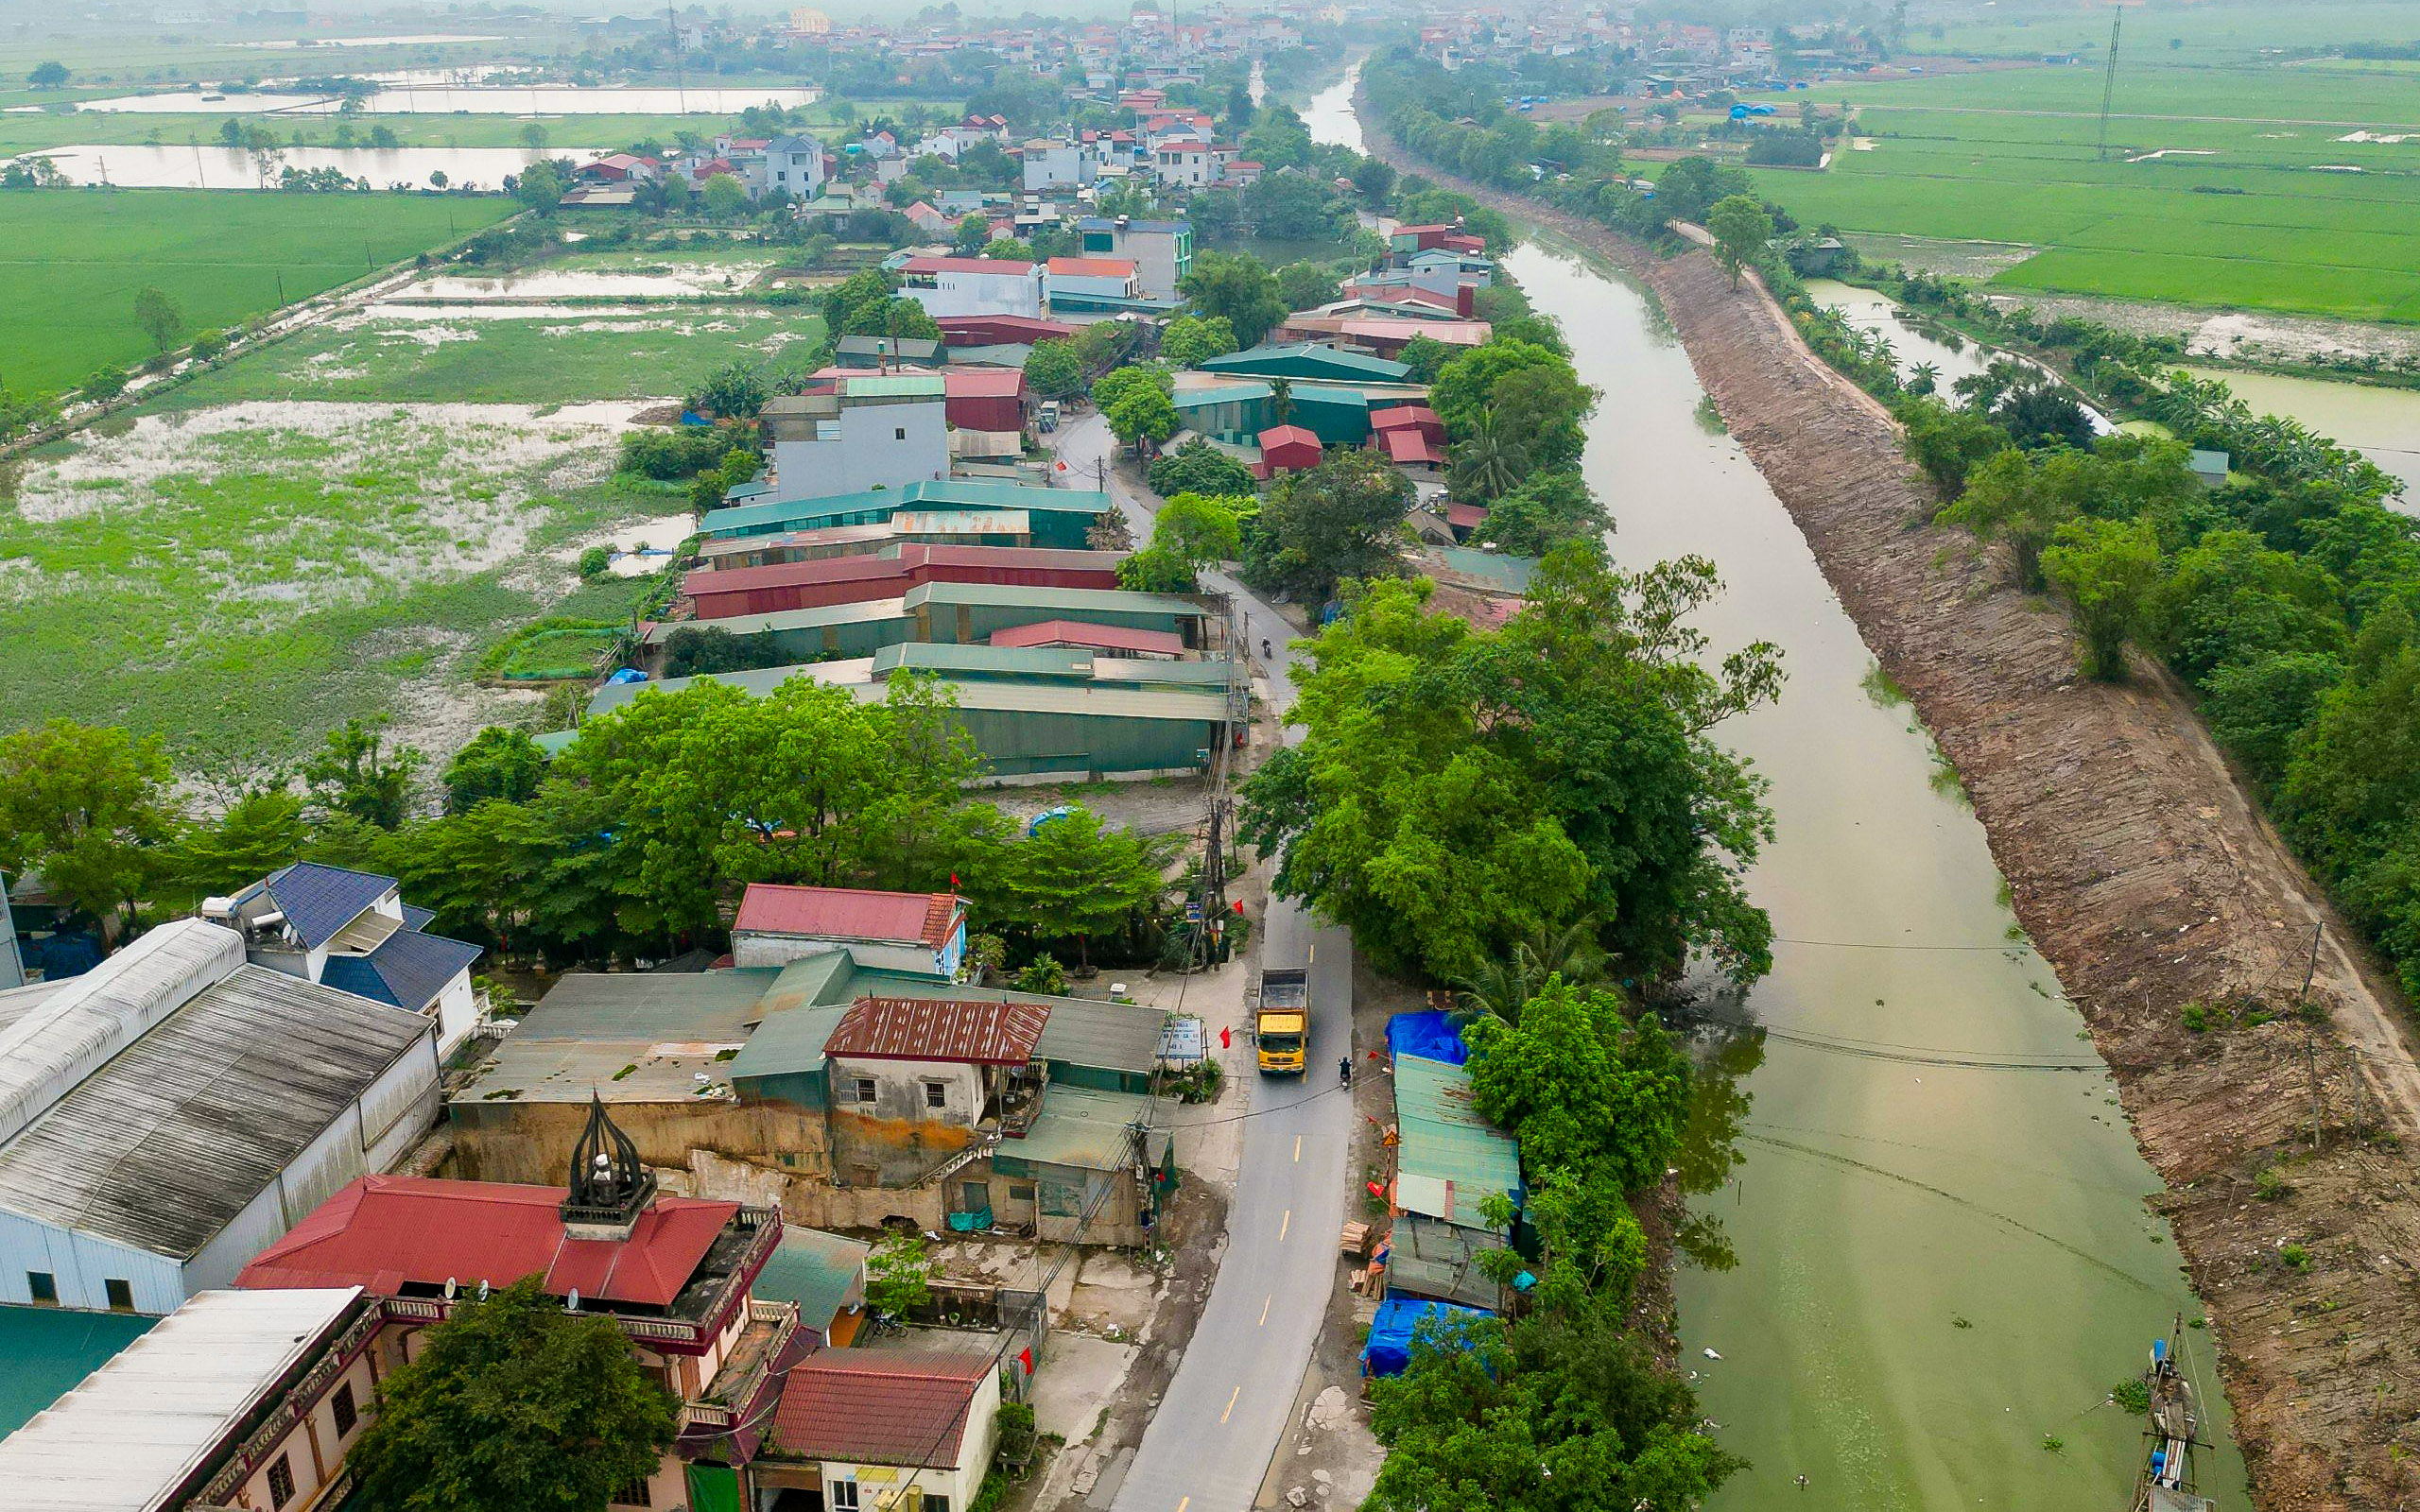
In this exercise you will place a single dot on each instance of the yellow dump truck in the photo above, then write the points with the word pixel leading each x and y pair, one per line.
pixel 1282 1028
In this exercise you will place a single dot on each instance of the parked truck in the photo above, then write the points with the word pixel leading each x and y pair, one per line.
pixel 1282 1029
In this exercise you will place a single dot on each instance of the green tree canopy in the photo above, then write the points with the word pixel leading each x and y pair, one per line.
pixel 1054 369
pixel 1304 284
pixel 90 808
pixel 1546 510
pixel 1197 467
pixel 159 318
pixel 1191 340
pixel 260 832
pixel 1584 1090
pixel 539 186
pixel 1238 287
pixel 1339 520
pixel 1457 790
pixel 1741 228
pixel 2107 572
pixel 1143 415
pixel 724 197
pixel 356 774
pixel 514 1405
pixel 498 762
pixel 1076 879
pixel 1537 401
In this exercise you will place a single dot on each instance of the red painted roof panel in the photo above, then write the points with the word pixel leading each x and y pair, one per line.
pixel 991 1034
pixel 848 913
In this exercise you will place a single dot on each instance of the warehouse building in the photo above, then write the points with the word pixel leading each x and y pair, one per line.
pixel 1058 517
pixel 961 613
pixel 168 1113
pixel 720 592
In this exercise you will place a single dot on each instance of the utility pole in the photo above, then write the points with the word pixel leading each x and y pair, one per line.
pixel 2109 82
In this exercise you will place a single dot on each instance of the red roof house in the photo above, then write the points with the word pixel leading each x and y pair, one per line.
pixel 400 1235
pixel 1287 449
pixel 892 572
pixel 986 399
pixel 890 1407
pixel 984 1034
pixel 851 913
pixel 1000 330
pixel 1410 416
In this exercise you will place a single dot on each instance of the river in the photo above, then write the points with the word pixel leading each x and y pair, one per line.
pixel 1921 1280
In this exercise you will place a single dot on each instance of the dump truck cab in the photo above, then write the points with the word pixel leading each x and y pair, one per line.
pixel 1282 1026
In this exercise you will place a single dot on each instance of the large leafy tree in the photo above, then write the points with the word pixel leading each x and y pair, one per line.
pixel 1458 790
pixel 498 762
pixel 260 832
pixel 1054 369
pixel 514 1405
pixel 1488 463
pixel 1237 286
pixel 2107 572
pixel 1339 520
pixel 1586 1090
pixel 1076 879
pixel 90 808
pixel 1536 401
pixel 359 776
pixel 1543 512
pixel 1144 416
pixel 1191 340
pixel 1197 467
pixel 1741 228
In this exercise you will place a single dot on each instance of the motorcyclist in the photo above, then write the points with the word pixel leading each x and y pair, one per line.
pixel 1344 1070
pixel 1264 648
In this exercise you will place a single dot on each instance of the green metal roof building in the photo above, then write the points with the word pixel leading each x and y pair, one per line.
pixel 1056 517
pixel 1237 412
pixel 1308 359
pixel 966 613
pixel 1449 1160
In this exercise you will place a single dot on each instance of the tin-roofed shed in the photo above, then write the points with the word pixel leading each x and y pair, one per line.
pixel 1449 1160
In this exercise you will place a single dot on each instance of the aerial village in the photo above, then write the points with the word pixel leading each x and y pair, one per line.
pixel 852 1189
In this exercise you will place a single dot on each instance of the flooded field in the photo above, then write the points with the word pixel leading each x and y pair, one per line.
pixel 2382 423
pixel 223 167
pixel 439 99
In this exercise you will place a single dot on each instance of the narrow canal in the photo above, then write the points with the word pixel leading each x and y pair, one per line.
pixel 1920 1251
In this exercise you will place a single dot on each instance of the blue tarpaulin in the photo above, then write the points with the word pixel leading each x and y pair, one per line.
pixel 1427 1036
pixel 1389 1348
pixel 626 675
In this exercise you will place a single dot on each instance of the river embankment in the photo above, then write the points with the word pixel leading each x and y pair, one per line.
pixel 2149 882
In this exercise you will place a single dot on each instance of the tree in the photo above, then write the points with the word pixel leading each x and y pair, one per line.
pixel 1544 510
pixel 2039 414
pixel 733 391
pixel 1339 520
pixel 515 1404
pixel 1076 879
pixel 103 385
pixel 1458 790
pixel 260 832
pixel 1197 467
pixel 1054 370
pixel 209 346
pixel 1583 1090
pixel 1374 180
pixel 1426 356
pixel 1304 284
pixel 159 318
pixel 725 196
pixel 1537 398
pixel 2107 571
pixel 1191 340
pixel 50 74
pixel 1945 441
pixel 1487 463
pixel 1687 189
pixel 970 234
pixel 539 187
pixel 1190 532
pixel 1237 286
pixel 497 764
pixel 898 1276
pixel 1741 228
pixel 436 178
pixel 356 774
pixel 1144 415
pixel 89 808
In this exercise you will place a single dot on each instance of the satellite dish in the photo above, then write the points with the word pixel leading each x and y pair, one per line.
pixel 573 1305
pixel 449 1288
pixel 483 1288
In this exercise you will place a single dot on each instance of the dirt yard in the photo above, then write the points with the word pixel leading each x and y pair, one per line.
pixel 2147 879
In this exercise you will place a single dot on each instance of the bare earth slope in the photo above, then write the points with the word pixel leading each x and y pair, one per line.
pixel 2150 883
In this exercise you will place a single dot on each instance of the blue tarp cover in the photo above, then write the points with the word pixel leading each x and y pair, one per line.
pixel 1389 1348
pixel 1428 1036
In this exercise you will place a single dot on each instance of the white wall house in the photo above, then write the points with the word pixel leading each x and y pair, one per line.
pixel 1060 164
pixel 974 285
pixel 353 931
pixel 1183 163
pixel 165 1116
pixel 791 164
pixel 880 431
pixel 924 933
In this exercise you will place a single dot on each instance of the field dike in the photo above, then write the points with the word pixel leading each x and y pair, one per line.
pixel 2150 883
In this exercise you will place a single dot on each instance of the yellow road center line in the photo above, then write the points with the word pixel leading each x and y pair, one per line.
pixel 1231 1402
pixel 1298 1149
pixel 1284 1224
pixel 1182 1503
pixel 1263 1309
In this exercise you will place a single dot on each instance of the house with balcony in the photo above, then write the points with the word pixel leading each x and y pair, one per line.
pixel 675 1273
pixel 353 931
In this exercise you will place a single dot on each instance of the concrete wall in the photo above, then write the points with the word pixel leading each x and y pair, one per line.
pixel 899 1136
pixel 878 446
pixel 313 1448
pixel 531 1142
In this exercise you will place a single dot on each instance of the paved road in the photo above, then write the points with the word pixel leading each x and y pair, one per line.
pixel 1209 1444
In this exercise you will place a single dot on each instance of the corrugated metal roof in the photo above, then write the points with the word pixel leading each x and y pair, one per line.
pixel 137 1429
pixel 893 386
pixel 1450 1158
pixel 959 522
pixel 788 619
pixel 808 981
pixel 958 1029
pixel 1429 1257
pixel 620 1071
pixel 1088 1130
pixel 848 913
pixel 385 1233
pixel 1280 358
pixel 788 1043
pixel 994 658
pixel 990 493
pixel 408 970
pixel 51 1048
pixel 1074 601
pixel 1148 671
pixel 1091 701
pixel 755 683
pixel 163 1146
pixel 319 901
pixel 1102 637
pixel 818 1271
pixel 690 1005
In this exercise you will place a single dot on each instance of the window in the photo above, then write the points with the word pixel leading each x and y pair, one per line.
pixel 936 1094
pixel 1020 1192
pixel 865 1088
pixel 121 1295
pixel 43 1287
pixel 845 1496
pixel 936 1503
pixel 635 1493
pixel 340 1406
pixel 281 1481
pixel 899 433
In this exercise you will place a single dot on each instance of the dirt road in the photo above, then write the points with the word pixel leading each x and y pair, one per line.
pixel 2150 883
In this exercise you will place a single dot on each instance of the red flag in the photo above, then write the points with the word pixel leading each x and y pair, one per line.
pixel 1226 1037
pixel 953 882
pixel 1025 1359
pixel 1239 905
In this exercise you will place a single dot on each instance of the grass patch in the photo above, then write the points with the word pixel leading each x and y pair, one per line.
pixel 75 260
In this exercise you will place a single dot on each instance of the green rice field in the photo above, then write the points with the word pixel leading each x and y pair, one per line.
pixel 74 261
pixel 2229 179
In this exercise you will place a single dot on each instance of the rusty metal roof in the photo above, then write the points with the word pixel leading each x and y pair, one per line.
pixel 994 1034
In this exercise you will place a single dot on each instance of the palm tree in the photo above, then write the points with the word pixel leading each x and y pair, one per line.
pixel 1280 399
pixel 1924 378
pixel 1488 464
pixel 1503 985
